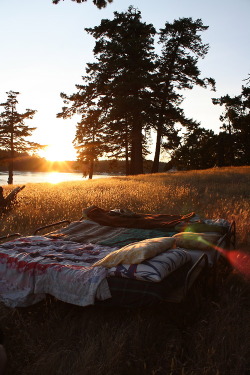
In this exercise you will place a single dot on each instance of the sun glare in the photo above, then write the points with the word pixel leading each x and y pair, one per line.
pixel 56 153
pixel 55 178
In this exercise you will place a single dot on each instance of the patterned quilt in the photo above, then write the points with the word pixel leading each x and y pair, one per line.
pixel 30 267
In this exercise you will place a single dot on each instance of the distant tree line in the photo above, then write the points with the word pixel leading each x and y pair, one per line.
pixel 130 90
pixel 24 162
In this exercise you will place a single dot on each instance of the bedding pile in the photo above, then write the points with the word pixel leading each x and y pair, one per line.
pixel 31 267
pixel 76 264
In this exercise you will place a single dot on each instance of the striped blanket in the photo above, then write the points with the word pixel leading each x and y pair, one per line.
pixel 89 231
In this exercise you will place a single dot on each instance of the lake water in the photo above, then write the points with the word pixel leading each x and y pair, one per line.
pixel 51 177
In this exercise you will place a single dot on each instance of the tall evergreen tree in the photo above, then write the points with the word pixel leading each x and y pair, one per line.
pixel 177 69
pixel 119 83
pixel 13 131
pixel 122 74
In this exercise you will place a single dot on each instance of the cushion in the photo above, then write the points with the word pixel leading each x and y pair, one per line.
pixel 200 228
pixel 154 269
pixel 199 241
pixel 137 252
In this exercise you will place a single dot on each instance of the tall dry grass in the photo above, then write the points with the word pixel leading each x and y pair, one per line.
pixel 57 338
pixel 214 193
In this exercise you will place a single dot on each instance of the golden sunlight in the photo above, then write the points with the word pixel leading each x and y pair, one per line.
pixel 55 177
pixel 57 152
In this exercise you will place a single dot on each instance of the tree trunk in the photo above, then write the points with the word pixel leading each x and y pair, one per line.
pixel 11 162
pixel 91 169
pixel 156 162
pixel 221 152
pixel 155 166
pixel 231 148
pixel 127 152
pixel 136 151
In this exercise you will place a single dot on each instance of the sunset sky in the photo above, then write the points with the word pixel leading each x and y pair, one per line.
pixel 44 49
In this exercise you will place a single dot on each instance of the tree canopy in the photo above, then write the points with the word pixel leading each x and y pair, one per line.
pixel 99 3
pixel 130 90
pixel 177 69
pixel 201 148
pixel 235 135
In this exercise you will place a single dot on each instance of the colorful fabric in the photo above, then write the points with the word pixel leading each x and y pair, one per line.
pixel 137 252
pixel 89 231
pixel 30 267
pixel 86 231
pixel 155 269
pixel 142 221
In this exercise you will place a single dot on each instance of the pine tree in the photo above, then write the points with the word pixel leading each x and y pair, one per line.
pixel 177 69
pixel 118 83
pixel 13 131
pixel 122 76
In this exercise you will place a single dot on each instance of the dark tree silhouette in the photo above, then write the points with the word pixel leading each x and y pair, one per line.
pixel 177 69
pixel 99 3
pixel 135 90
pixel 90 139
pixel 197 151
pixel 13 131
pixel 118 83
pixel 235 137
pixel 122 74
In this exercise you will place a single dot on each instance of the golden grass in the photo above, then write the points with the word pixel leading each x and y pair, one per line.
pixel 214 193
pixel 54 338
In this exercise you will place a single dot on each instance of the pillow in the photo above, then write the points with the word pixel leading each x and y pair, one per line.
pixel 154 269
pixel 199 228
pixel 196 241
pixel 137 252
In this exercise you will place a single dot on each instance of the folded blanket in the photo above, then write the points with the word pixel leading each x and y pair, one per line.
pixel 143 221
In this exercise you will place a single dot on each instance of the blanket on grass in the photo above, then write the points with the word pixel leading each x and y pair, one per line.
pixel 32 266
pixel 89 231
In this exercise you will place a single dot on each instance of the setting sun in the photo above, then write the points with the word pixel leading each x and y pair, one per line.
pixel 57 152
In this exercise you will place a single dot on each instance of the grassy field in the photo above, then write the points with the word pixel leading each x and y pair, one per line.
pixel 57 338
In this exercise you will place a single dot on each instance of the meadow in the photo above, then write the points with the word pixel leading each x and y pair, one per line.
pixel 53 337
